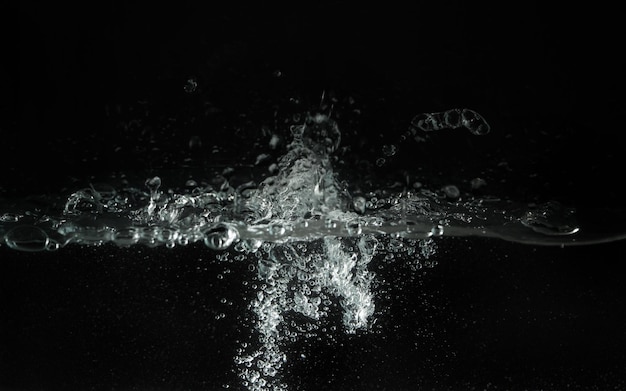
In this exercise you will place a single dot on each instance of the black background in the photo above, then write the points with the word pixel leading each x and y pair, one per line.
pixel 491 315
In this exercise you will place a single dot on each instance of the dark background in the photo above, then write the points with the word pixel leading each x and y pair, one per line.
pixel 548 80
pixel 491 315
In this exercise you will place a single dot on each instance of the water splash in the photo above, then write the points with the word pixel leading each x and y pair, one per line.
pixel 312 240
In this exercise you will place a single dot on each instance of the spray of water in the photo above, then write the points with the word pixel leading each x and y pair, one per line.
pixel 312 240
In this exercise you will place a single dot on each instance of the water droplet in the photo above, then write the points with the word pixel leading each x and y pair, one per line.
pixel 27 238
pixel 389 150
pixel 477 183
pixel 359 203
pixel 195 142
pixel 262 158
pixel 191 85
pixel 451 192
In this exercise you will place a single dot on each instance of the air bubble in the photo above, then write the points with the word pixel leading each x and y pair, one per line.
pixel 27 238
pixel 191 85
pixel 221 236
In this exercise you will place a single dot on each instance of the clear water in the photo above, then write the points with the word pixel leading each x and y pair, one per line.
pixel 310 239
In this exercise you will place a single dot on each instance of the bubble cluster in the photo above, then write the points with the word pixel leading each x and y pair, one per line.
pixel 301 278
pixel 450 119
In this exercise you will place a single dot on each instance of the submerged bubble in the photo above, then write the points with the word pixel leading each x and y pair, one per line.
pixel 221 236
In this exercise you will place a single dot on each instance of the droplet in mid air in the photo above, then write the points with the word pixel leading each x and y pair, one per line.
pixel 451 192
